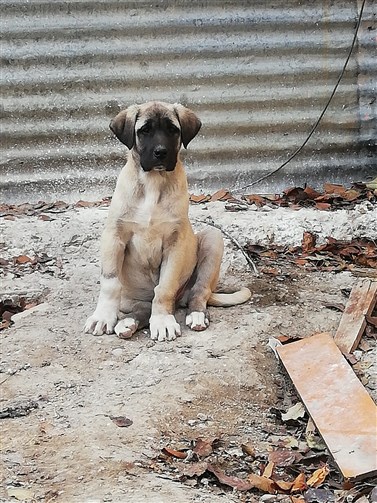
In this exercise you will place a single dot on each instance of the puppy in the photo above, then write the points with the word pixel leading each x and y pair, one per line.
pixel 151 260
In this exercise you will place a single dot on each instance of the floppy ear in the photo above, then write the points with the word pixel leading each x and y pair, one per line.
pixel 123 125
pixel 189 122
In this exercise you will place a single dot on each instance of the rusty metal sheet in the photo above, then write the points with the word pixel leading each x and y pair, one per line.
pixel 343 412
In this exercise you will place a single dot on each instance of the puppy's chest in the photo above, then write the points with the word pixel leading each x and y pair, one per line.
pixel 153 216
pixel 152 228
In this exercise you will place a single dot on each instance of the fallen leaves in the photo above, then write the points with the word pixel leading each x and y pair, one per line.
pixel 25 264
pixel 332 197
pixel 14 305
pixel 12 211
pixel 334 255
pixel 206 457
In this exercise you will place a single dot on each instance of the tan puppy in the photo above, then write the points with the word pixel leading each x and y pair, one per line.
pixel 151 258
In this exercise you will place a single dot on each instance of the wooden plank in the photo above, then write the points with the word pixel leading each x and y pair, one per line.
pixel 343 412
pixel 361 302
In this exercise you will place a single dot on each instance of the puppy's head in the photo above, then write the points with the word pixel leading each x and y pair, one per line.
pixel 155 131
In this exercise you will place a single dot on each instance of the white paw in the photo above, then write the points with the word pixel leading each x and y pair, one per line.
pixel 126 328
pixel 164 327
pixel 197 321
pixel 101 322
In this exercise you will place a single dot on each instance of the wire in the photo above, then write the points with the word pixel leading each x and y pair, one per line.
pixel 298 150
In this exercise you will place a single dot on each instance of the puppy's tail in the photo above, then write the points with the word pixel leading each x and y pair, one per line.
pixel 229 299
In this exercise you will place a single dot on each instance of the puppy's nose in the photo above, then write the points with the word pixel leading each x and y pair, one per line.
pixel 160 152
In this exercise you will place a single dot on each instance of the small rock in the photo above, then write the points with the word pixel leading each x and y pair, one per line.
pixel 202 417
pixel 267 498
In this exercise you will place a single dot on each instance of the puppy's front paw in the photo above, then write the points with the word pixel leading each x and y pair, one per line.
pixel 126 328
pixel 101 322
pixel 197 321
pixel 164 327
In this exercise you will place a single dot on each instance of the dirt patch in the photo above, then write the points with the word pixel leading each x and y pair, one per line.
pixel 223 382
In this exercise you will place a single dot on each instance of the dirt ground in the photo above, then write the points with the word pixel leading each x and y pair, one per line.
pixel 222 382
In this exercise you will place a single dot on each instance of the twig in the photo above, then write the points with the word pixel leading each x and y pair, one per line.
pixel 234 241
pixel 5 380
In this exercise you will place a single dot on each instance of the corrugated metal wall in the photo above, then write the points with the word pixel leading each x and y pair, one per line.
pixel 258 74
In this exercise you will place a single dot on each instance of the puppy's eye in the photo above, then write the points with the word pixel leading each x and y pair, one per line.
pixel 173 129
pixel 145 129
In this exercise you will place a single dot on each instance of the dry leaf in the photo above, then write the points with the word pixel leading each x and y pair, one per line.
pixel 84 204
pixel 248 449
pixel 5 324
pixel 372 185
pixel 283 338
pixel 202 198
pixel 22 259
pixel 262 483
pixel 272 271
pixel 323 206
pixel 308 242
pixel 333 188
pixel 351 195
pixel 289 442
pixel 267 472
pixel 121 421
pixel 174 453
pixel 372 320
pixel 311 193
pixel 282 457
pixel 221 195
pixel 229 480
pixel 299 484
pixel 284 485
pixel 203 447
pixel 294 412
pixel 295 194
pixel 255 199
pixel 318 477
pixel 193 469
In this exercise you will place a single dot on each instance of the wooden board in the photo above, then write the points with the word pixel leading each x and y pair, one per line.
pixel 343 412
pixel 352 325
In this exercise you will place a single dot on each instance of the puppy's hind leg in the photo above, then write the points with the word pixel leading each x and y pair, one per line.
pixel 134 315
pixel 210 252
